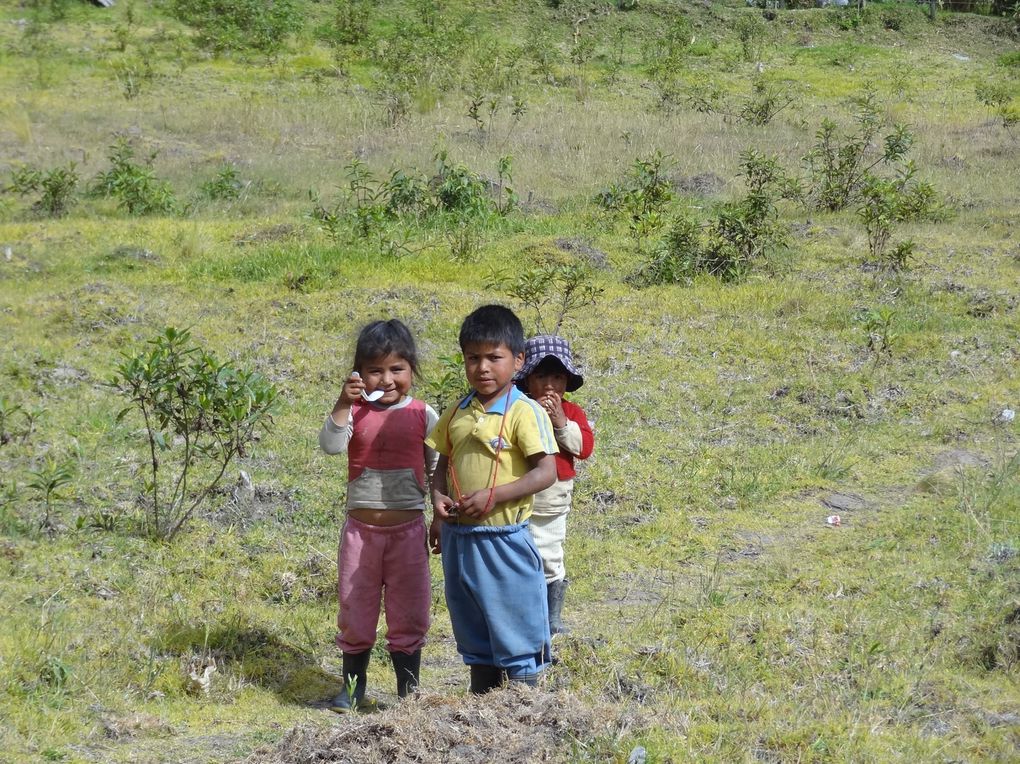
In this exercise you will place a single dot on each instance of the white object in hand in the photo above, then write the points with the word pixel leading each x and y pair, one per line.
pixel 372 396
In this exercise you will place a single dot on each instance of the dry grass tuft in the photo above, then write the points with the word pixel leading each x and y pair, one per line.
pixel 514 724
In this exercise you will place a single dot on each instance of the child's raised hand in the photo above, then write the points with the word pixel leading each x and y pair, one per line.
pixel 554 407
pixel 353 386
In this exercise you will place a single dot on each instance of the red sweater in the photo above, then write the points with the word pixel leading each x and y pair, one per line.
pixel 565 461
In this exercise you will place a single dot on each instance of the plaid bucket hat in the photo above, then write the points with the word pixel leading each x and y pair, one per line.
pixel 537 349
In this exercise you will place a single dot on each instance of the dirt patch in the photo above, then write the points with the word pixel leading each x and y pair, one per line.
pixel 265 235
pixel 584 249
pixel 702 184
pixel 845 502
pixel 515 724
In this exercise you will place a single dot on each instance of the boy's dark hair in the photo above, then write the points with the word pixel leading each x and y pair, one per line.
pixel 493 325
pixel 381 338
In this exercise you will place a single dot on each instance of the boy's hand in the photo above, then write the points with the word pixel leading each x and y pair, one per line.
pixel 554 407
pixel 476 504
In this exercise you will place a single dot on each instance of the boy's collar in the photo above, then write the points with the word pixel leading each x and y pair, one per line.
pixel 498 406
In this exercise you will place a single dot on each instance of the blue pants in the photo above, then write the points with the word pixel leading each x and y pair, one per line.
pixel 496 595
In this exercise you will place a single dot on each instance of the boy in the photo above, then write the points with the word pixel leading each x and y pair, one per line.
pixel 547 375
pixel 496 450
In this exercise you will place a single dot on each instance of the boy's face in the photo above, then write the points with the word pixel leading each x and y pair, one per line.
pixel 490 368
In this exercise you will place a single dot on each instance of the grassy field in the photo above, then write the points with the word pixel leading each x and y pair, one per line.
pixel 715 615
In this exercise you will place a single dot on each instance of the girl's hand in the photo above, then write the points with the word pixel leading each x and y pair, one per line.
pixel 443 506
pixel 554 407
pixel 435 533
pixel 353 386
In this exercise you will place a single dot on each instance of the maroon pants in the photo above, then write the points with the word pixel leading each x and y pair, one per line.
pixel 375 562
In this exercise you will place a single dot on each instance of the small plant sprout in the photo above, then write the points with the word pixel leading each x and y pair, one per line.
pixel 47 480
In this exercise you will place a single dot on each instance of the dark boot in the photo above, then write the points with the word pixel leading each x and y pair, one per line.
pixel 485 678
pixel 407 668
pixel 557 590
pixel 355 668
pixel 529 679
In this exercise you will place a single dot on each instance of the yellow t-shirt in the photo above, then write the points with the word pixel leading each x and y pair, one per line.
pixel 468 435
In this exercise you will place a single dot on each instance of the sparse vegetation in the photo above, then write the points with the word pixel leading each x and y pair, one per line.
pixel 768 341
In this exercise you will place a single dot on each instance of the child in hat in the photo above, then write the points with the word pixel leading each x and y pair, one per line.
pixel 547 374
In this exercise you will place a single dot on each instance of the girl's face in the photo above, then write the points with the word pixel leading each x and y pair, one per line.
pixel 389 373
pixel 547 379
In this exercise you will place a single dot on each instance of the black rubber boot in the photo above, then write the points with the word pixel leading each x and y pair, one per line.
pixel 407 668
pixel 557 590
pixel 529 679
pixel 485 679
pixel 355 668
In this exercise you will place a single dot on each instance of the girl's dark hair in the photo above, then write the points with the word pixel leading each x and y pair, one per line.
pixel 381 338
pixel 493 325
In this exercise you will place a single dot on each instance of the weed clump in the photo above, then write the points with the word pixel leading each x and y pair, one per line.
pixel 135 186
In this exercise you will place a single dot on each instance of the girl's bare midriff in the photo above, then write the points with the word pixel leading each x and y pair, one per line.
pixel 384 517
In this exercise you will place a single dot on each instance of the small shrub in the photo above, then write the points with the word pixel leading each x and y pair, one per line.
pixel 408 194
pixel 840 163
pixel 226 185
pixel 458 189
pixel 878 326
pixel 57 187
pixel 765 103
pixel 550 290
pixel 135 186
pixel 753 33
pixel 740 233
pixel 223 25
pixel 8 410
pixel 996 96
pixel 677 259
pixel 349 23
pixel 643 197
pixel 199 414
pixel 447 385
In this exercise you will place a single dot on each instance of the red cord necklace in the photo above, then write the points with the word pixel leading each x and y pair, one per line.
pixel 491 484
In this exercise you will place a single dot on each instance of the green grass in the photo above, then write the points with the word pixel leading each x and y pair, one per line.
pixel 709 600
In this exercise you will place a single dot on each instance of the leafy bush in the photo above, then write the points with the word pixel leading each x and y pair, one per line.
pixel 643 196
pixel 57 186
pixel 840 163
pixel 996 96
pixel 678 258
pixel 459 189
pixel 135 186
pixel 226 185
pixel 753 33
pixel 222 25
pixel 349 23
pixel 199 414
pixel 740 233
pixel 887 201
pixel 550 290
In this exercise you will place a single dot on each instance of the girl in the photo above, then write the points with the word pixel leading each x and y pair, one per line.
pixel 547 375
pixel 383 543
